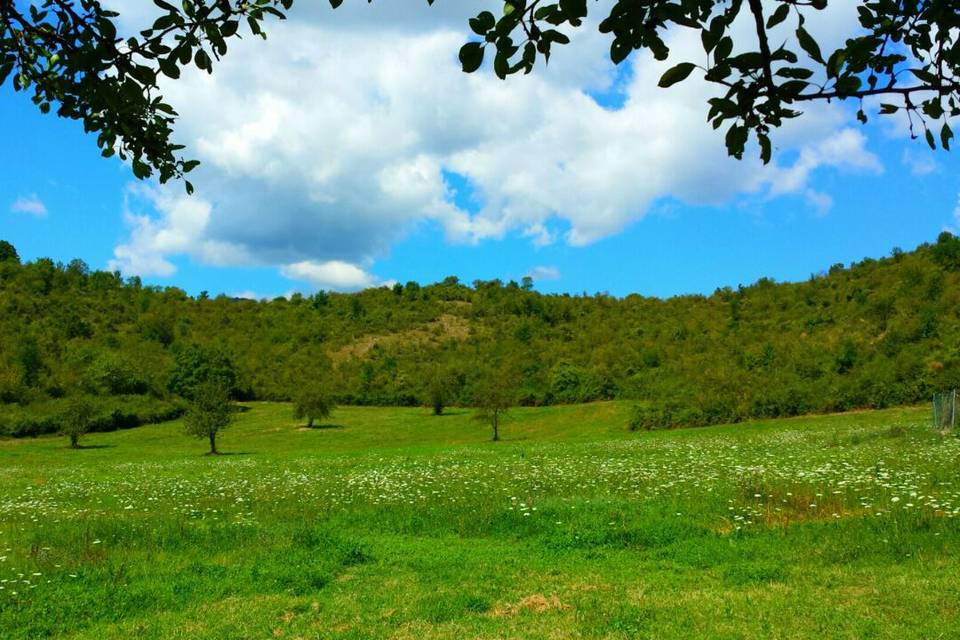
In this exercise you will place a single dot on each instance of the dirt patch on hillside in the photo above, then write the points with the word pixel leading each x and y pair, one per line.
pixel 447 325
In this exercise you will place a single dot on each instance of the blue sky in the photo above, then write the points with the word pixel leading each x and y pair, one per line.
pixel 716 227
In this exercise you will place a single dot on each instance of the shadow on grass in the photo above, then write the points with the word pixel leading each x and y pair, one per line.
pixel 220 454
pixel 92 446
pixel 451 412
pixel 319 427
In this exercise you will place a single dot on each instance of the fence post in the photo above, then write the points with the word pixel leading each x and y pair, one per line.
pixel 953 411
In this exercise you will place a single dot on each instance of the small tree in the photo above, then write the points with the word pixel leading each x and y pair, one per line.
pixel 209 413
pixel 77 419
pixel 493 398
pixel 312 403
pixel 437 392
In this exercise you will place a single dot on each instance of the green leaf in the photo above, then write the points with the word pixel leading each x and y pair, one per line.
pixel 483 23
pixel 555 36
pixel 676 74
pixel 946 135
pixel 140 169
pixel 835 63
pixel 765 148
pixel 924 75
pixel 708 39
pixel 471 56
pixel 336 3
pixel 723 49
pixel 778 16
pixel 809 45
pixel 795 73
pixel 501 65
pixel 574 8
pixel 619 50
pixel 848 84
pixel 736 140
pixel 202 61
pixel 930 140
pixel 229 28
pixel 5 70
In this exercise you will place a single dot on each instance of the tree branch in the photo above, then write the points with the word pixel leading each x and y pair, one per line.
pixel 756 7
pixel 903 91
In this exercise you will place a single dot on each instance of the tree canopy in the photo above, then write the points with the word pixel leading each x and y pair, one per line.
pixel 312 401
pixel 209 413
pixel 903 53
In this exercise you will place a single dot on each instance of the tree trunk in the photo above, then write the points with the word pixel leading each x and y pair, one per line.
pixel 74 441
pixel 496 427
pixel 213 444
pixel 310 422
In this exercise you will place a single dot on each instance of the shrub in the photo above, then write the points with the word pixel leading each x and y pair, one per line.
pixel 113 374
pixel 312 403
pixel 195 365
pixel 77 418
pixel 110 414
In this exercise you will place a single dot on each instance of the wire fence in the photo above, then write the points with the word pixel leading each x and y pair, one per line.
pixel 945 410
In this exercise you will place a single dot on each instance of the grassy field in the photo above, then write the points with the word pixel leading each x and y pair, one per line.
pixel 391 523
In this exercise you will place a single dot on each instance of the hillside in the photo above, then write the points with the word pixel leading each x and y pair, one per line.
pixel 876 333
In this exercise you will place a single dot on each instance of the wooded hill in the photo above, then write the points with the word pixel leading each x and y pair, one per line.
pixel 875 333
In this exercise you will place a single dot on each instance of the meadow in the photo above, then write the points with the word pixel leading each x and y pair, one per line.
pixel 392 523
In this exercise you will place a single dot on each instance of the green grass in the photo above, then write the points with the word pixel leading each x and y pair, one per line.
pixel 391 523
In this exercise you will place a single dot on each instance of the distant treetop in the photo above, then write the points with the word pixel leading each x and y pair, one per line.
pixel 8 253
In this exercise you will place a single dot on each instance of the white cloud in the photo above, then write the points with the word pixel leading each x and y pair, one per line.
pixel 29 204
pixel 181 229
pixel 326 144
pixel 539 274
pixel 333 274
pixel 821 202
pixel 956 215
pixel 920 164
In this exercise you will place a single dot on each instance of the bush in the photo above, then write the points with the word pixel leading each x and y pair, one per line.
pixel 312 403
pixel 109 414
pixel 113 374
pixel 570 385
pixel 76 419
pixel 195 365
pixel 655 417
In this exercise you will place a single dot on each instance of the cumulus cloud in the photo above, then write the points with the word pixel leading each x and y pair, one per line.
pixel 333 274
pixel 29 204
pixel 325 145
pixel 540 274
pixel 180 229
pixel 919 163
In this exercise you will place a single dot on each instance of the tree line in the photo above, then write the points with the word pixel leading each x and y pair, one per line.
pixel 875 333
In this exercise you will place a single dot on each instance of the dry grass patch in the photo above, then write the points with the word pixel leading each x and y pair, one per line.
pixel 445 326
pixel 536 603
